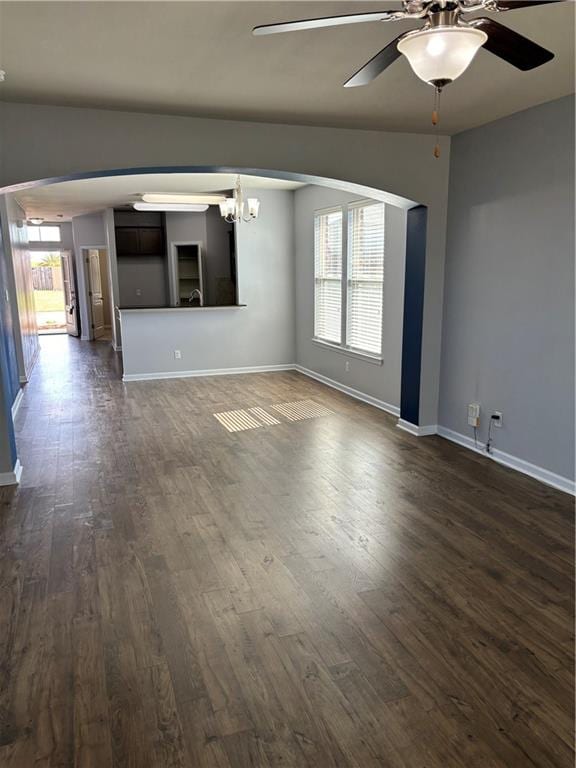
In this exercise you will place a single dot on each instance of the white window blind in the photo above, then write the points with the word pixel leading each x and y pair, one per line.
pixel 328 276
pixel 365 277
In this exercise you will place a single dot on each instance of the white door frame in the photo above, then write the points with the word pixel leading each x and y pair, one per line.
pixel 87 333
pixel 173 268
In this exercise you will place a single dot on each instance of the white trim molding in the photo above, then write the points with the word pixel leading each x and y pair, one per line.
pixel 17 402
pixel 513 462
pixel 414 429
pixel 368 358
pixel 355 393
pixel 127 377
pixel 12 478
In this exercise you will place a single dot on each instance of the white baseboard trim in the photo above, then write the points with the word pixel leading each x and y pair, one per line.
pixel 16 403
pixel 513 462
pixel 12 478
pixel 413 429
pixel 209 372
pixel 355 393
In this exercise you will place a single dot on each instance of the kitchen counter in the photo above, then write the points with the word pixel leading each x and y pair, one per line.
pixel 180 309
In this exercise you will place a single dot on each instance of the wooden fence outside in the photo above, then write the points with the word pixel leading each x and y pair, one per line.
pixel 47 278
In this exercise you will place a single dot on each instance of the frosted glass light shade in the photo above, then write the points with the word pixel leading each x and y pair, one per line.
pixel 228 207
pixel 253 207
pixel 441 54
pixel 184 199
pixel 174 207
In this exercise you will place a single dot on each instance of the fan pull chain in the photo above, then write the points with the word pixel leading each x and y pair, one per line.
pixel 436 119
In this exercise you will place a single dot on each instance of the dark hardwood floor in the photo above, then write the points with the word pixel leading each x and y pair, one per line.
pixel 320 592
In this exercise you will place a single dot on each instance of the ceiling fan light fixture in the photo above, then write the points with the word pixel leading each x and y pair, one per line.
pixel 441 54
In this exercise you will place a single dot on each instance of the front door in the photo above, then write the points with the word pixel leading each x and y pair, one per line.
pixel 96 298
pixel 69 286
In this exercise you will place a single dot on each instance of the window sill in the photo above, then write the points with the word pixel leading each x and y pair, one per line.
pixel 365 356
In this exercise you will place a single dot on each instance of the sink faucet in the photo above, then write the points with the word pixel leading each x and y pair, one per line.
pixel 196 293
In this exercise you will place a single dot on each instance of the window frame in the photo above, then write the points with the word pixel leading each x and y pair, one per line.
pixel 317 214
pixel 40 227
pixel 343 347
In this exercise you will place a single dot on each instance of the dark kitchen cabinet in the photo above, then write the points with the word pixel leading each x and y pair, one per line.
pixel 140 241
pixel 127 241
pixel 151 242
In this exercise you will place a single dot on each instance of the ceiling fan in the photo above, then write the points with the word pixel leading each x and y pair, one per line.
pixel 444 47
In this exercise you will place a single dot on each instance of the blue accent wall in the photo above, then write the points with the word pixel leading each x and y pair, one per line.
pixel 413 314
pixel 9 380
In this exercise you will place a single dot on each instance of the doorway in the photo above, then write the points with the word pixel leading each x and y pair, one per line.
pixel 99 294
pixel 49 290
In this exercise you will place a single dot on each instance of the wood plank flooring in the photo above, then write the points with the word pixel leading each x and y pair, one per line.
pixel 329 592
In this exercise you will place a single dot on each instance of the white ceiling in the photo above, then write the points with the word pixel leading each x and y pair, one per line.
pixel 73 198
pixel 199 58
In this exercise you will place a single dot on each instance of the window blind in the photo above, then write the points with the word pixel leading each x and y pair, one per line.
pixel 328 276
pixel 365 277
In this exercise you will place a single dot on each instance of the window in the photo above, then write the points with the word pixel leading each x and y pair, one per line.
pixel 365 277
pixel 328 276
pixel 349 294
pixel 43 234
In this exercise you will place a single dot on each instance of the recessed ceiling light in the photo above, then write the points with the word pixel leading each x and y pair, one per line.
pixel 193 199
pixel 35 221
pixel 171 207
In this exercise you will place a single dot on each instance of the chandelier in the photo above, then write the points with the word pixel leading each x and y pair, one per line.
pixel 235 209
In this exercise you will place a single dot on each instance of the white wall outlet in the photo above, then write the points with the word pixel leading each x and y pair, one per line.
pixel 347 366
pixel 474 414
pixel 177 354
pixel 497 419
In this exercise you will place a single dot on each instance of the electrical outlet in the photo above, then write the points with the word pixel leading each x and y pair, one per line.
pixel 177 354
pixel 138 291
pixel 474 414
pixel 347 366
pixel 497 419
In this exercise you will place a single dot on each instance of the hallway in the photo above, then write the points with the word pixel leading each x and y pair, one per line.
pixel 318 590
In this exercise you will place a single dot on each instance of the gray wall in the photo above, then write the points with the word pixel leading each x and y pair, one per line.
pixel 260 334
pixel 209 229
pixel 88 231
pixel 508 331
pixel 66 242
pixel 142 281
pixel 217 268
pixel 183 228
pixel 45 142
pixel 380 381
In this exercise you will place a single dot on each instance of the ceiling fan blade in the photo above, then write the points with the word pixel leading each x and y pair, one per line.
pixel 511 5
pixel 329 21
pixel 376 65
pixel 512 47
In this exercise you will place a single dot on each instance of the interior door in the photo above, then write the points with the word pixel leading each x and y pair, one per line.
pixel 95 293
pixel 69 293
